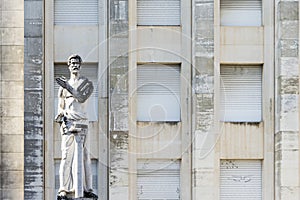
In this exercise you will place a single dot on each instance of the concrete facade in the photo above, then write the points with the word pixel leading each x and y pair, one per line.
pixel 32 45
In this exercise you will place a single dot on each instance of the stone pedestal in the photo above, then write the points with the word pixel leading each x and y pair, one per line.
pixel 78 159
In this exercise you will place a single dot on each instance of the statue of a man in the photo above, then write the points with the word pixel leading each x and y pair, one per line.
pixel 73 95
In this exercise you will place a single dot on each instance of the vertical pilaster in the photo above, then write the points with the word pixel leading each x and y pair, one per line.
pixel 11 99
pixel 287 177
pixel 118 99
pixel 203 100
pixel 33 100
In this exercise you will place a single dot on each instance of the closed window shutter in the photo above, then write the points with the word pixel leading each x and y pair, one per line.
pixel 75 12
pixel 158 179
pixel 90 71
pixel 240 180
pixel 158 92
pixel 158 12
pixel 241 12
pixel 241 93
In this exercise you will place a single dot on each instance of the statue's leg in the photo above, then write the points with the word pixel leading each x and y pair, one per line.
pixel 65 170
pixel 87 171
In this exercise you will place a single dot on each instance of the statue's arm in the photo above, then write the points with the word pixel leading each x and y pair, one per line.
pixel 82 95
pixel 61 106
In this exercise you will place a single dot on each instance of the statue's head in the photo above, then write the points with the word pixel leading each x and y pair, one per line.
pixel 74 63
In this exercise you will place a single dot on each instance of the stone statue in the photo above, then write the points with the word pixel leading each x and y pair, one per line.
pixel 75 168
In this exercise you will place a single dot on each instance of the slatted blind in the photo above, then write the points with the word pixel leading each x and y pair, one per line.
pixel 241 93
pixel 240 180
pixel 158 12
pixel 94 167
pixel 90 71
pixel 241 12
pixel 75 12
pixel 158 179
pixel 158 92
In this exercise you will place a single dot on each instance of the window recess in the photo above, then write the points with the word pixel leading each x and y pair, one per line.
pixel 241 12
pixel 241 93
pixel 158 93
pixel 158 12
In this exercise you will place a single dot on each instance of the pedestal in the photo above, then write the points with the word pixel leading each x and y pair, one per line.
pixel 79 169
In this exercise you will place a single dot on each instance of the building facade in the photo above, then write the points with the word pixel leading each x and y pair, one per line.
pixel 194 99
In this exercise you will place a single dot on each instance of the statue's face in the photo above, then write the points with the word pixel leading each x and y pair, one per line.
pixel 74 66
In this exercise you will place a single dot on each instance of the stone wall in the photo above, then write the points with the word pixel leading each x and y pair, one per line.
pixel 33 101
pixel 287 177
pixel 118 98
pixel 203 100
pixel 11 99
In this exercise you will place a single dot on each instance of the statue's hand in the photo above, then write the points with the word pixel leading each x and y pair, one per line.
pixel 59 118
pixel 62 81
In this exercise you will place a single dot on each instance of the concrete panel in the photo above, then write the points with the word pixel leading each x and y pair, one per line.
pixel 82 40
pixel 158 140
pixel 242 45
pixel 159 44
pixel 12 36
pixel 12 161
pixel 12 72
pixel 12 5
pixel 12 54
pixel 12 19
pixel 12 143
pixel 12 89
pixel 246 141
pixel 9 125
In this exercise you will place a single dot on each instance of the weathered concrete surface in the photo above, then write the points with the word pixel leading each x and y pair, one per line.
pixel 118 97
pixel 33 101
pixel 203 88
pixel 287 177
pixel 11 99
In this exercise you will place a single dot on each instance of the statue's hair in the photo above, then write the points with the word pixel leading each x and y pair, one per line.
pixel 74 56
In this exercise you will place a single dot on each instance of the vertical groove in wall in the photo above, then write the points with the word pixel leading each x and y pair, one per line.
pixel 33 100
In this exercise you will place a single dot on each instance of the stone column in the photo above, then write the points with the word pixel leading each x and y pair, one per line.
pixel 203 100
pixel 33 97
pixel 11 99
pixel 287 177
pixel 118 98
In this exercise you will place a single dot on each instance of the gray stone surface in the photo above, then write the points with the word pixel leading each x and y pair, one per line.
pixel 33 105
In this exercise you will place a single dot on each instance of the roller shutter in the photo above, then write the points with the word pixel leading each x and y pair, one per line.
pixel 158 12
pixel 240 180
pixel 91 72
pixel 241 12
pixel 158 180
pixel 158 92
pixel 75 12
pixel 241 93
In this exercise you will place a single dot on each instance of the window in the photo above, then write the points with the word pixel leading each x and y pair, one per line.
pixel 158 92
pixel 75 12
pixel 241 12
pixel 241 179
pixel 241 93
pixel 158 179
pixel 158 12
pixel 91 72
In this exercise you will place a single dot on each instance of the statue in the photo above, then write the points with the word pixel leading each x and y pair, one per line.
pixel 75 168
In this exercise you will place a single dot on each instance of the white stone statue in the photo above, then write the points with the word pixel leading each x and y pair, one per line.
pixel 75 169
